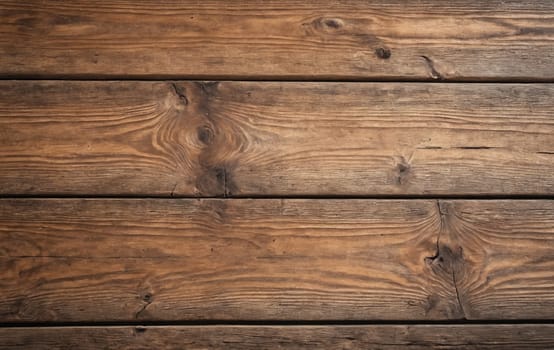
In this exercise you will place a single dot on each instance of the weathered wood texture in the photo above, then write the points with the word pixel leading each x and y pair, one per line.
pixel 298 39
pixel 420 337
pixel 260 259
pixel 252 138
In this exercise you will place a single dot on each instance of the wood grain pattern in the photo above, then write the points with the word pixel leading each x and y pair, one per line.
pixel 252 138
pixel 286 99
pixel 292 39
pixel 255 259
pixel 386 337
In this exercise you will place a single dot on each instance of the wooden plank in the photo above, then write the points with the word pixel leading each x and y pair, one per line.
pixel 254 259
pixel 263 138
pixel 291 39
pixel 388 337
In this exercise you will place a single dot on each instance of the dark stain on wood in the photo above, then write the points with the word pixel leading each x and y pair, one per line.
pixel 383 53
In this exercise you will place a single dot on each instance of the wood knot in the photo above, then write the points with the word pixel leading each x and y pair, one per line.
pixel 383 53
pixel 402 170
pixel 445 259
pixel 205 134
pixel 147 297
pixel 437 260
pixel 332 23
pixel 325 24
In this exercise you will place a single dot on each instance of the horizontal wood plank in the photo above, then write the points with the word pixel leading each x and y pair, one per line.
pixel 291 39
pixel 267 259
pixel 396 337
pixel 276 139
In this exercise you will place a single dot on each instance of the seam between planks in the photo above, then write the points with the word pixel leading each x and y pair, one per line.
pixel 312 197
pixel 269 79
pixel 291 323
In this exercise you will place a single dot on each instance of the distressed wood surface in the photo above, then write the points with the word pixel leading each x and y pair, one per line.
pixel 267 259
pixel 285 100
pixel 264 138
pixel 386 337
pixel 292 39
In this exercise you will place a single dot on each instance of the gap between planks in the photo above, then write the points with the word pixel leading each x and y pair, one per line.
pixel 266 79
pixel 139 196
pixel 270 323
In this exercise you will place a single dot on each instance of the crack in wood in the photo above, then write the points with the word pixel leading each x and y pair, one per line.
pixel 454 280
pixel 432 70
pixel 147 299
pixel 447 260
pixel 225 189
pixel 180 94
pixel 173 189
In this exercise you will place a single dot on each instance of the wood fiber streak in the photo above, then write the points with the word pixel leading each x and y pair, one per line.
pixel 246 259
pixel 277 139
pixel 419 337
pixel 292 39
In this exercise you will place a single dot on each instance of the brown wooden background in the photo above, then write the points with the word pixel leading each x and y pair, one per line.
pixel 277 174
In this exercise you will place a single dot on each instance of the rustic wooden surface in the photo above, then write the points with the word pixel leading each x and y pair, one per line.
pixel 386 337
pixel 388 167
pixel 263 138
pixel 261 259
pixel 291 39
